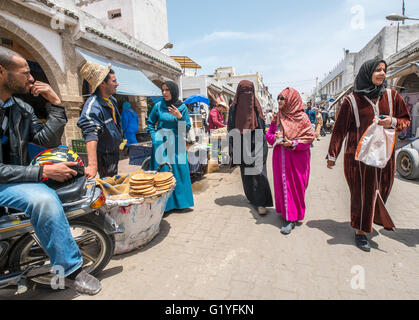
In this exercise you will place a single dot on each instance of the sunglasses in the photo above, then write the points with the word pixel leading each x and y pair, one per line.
pixel 281 98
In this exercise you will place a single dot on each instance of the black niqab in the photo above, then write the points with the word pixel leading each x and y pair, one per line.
pixel 363 82
pixel 174 91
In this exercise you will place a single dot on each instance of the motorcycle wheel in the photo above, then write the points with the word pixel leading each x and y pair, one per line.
pixel 96 247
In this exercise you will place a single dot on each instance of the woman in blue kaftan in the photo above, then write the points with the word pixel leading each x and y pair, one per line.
pixel 168 125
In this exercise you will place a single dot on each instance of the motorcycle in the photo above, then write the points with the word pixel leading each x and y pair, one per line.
pixel 23 261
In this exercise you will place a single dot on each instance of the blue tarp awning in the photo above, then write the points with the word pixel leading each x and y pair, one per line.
pixel 197 98
pixel 132 82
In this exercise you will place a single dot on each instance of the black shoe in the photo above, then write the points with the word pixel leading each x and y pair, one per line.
pixel 84 284
pixel 362 242
pixel 286 230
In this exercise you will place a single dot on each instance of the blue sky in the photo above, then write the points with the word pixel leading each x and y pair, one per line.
pixel 289 42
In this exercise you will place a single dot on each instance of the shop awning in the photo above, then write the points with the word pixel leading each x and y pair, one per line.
pixel 186 62
pixel 132 82
pixel 405 70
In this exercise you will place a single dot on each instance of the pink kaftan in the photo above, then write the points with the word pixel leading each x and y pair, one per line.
pixel 291 169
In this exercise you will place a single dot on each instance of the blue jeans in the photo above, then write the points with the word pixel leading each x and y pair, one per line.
pixel 42 205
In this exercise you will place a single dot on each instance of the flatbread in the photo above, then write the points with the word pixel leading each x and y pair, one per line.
pixel 167 187
pixel 164 183
pixel 142 190
pixel 163 190
pixel 139 194
pixel 163 176
pixel 142 177
pixel 141 186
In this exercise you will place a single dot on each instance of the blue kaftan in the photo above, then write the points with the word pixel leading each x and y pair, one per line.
pixel 169 146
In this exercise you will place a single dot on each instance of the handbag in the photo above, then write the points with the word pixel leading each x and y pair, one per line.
pixel 376 146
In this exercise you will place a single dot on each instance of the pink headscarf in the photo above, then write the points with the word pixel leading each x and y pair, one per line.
pixel 295 123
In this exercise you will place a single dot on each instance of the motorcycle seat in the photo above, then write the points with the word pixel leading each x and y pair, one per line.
pixel 72 190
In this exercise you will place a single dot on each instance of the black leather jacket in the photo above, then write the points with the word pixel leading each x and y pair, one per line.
pixel 24 127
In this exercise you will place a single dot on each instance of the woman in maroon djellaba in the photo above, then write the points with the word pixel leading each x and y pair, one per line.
pixel 369 186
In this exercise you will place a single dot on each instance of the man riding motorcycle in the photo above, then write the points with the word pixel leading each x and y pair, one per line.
pixel 20 184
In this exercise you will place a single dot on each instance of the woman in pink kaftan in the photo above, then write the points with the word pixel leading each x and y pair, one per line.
pixel 291 134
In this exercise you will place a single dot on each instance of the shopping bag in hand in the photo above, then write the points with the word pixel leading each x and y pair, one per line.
pixel 376 145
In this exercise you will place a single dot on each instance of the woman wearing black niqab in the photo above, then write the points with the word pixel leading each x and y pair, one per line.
pixel 246 114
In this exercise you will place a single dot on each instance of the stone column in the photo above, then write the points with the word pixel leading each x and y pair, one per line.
pixel 139 104
pixel 72 131
pixel 72 95
pixel 143 110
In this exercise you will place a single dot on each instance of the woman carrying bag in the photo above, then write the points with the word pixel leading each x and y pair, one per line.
pixel 370 185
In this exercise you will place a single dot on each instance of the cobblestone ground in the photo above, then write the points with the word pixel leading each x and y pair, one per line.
pixel 224 250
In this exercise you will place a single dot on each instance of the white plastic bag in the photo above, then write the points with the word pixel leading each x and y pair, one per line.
pixel 376 146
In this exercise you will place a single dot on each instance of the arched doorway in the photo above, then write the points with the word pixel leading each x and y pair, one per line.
pixel 410 83
pixel 38 103
pixel 42 64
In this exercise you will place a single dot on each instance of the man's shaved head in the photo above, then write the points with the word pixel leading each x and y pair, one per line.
pixel 15 74
pixel 6 58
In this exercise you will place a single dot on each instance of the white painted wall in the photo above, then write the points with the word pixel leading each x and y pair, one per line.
pixel 194 85
pixel 383 45
pixel 145 20
pixel 150 23
pixel 200 84
pixel 50 39
pixel 100 10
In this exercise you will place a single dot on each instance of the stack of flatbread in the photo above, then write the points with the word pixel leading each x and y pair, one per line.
pixel 219 133
pixel 142 185
pixel 163 181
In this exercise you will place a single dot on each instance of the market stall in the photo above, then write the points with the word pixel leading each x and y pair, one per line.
pixel 137 201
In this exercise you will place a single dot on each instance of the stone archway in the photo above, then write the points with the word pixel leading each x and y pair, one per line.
pixel 47 62
pixel 61 82
pixel 409 82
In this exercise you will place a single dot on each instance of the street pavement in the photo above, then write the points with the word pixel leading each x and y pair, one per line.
pixel 224 250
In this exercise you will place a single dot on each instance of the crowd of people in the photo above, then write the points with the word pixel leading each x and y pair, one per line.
pixel 291 133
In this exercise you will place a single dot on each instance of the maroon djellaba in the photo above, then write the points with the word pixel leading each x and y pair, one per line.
pixel 369 186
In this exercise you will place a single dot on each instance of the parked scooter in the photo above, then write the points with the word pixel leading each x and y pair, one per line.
pixel 23 261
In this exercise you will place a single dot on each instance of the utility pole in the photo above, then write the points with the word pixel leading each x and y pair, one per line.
pixel 398 26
